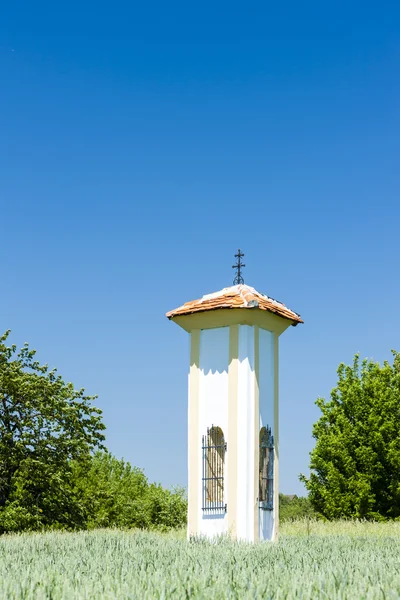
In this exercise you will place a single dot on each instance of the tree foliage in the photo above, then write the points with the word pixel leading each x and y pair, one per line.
pixel 295 507
pixel 355 464
pixel 45 423
pixel 54 470
pixel 115 494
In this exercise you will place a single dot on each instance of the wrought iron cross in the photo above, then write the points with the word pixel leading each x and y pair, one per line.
pixel 239 265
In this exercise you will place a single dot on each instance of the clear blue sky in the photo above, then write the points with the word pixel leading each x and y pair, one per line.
pixel 142 143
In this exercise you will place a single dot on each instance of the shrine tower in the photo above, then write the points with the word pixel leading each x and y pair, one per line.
pixel 233 411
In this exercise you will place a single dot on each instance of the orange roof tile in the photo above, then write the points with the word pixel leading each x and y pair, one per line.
pixel 236 296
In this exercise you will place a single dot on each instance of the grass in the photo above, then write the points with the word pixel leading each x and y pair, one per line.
pixel 349 528
pixel 312 560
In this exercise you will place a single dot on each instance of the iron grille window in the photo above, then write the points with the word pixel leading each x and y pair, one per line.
pixel 266 492
pixel 214 448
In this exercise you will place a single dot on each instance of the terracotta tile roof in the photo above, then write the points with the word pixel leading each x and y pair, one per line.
pixel 236 296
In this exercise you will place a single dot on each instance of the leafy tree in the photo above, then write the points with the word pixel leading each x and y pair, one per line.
pixel 355 465
pixel 45 424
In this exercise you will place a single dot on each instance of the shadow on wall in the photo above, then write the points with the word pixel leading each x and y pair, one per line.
pixel 214 351
pixel 214 370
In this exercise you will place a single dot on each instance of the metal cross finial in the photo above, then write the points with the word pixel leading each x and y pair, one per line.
pixel 239 265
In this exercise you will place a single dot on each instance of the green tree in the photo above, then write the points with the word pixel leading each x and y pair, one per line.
pixel 45 424
pixel 355 464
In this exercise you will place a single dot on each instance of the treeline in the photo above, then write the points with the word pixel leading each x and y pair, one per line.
pixel 55 472
pixel 99 492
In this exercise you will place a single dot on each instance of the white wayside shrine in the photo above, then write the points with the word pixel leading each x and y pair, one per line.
pixel 233 441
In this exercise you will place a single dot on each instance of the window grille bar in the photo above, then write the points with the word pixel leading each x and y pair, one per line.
pixel 214 448
pixel 266 491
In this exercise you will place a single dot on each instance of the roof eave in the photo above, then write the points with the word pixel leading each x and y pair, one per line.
pixel 172 314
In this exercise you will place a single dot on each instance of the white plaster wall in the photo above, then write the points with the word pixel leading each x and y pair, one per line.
pixel 213 410
pixel 245 435
pixel 266 400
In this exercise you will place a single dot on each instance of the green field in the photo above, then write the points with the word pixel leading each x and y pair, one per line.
pixel 311 560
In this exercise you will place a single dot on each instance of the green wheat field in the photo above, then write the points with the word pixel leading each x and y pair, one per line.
pixel 342 560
